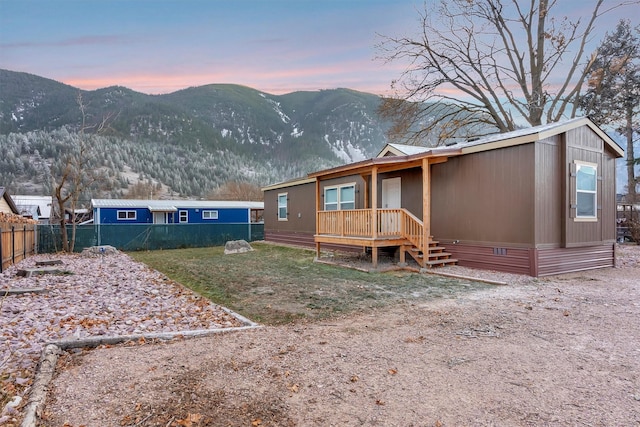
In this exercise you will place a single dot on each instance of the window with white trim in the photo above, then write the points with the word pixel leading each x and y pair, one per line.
pixel 126 215
pixel 586 190
pixel 340 197
pixel 183 216
pixel 283 206
pixel 209 214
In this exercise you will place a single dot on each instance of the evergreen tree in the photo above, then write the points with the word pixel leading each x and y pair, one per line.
pixel 613 95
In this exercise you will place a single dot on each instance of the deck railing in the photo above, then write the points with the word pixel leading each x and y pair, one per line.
pixel 345 223
pixel 413 230
pixel 390 223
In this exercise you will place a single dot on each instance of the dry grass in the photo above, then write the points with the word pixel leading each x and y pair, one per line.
pixel 278 285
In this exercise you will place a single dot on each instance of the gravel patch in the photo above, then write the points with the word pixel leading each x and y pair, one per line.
pixel 554 351
pixel 95 296
pixel 558 350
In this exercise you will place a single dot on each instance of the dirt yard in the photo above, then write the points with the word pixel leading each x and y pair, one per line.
pixel 553 351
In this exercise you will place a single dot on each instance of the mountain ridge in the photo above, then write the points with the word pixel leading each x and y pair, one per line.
pixel 290 134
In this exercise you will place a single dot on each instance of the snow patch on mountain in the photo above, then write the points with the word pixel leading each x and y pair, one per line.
pixel 296 133
pixel 345 150
pixel 276 107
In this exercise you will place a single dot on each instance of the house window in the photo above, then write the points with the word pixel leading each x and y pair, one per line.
pixel 340 197
pixel 283 210
pixel 127 215
pixel 586 190
pixel 183 216
pixel 348 197
pixel 209 214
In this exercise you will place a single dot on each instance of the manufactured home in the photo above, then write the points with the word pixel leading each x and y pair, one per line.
pixel 125 211
pixel 37 207
pixel 536 201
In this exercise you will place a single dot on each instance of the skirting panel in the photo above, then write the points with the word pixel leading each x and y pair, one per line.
pixel 567 260
pixel 532 262
pixel 288 238
pixel 509 260
pixel 305 240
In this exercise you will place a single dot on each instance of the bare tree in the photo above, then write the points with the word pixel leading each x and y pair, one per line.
pixel 144 190
pixel 478 67
pixel 613 94
pixel 72 175
pixel 237 190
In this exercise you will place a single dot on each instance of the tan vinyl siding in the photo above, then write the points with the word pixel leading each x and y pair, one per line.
pixel 4 206
pixel 485 197
pixel 301 204
pixel 584 145
pixel 548 193
pixel 411 189
pixel 357 179
pixel 608 198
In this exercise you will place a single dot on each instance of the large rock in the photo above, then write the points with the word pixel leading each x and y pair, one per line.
pixel 237 247
pixel 94 251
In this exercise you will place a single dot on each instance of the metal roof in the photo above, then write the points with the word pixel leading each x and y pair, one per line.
pixel 402 149
pixel 173 204
pixel 289 183
pixel 44 202
pixel 507 139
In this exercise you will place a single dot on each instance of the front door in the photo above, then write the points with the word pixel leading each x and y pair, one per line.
pixel 391 193
pixel 391 199
pixel 159 217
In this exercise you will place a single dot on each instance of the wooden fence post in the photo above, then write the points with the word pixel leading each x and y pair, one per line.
pixel 1 254
pixel 13 244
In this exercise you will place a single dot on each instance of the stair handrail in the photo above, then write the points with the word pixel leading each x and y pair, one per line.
pixel 413 229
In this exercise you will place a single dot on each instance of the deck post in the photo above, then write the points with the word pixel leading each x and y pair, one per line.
pixel 317 216
pixel 374 256
pixel 366 192
pixel 374 216
pixel 426 207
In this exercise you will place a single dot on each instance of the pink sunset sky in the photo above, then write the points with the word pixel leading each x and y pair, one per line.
pixel 276 46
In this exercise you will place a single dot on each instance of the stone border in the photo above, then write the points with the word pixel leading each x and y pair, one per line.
pixel 49 358
pixel 397 267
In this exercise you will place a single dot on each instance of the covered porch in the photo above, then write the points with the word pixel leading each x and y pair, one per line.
pixel 373 226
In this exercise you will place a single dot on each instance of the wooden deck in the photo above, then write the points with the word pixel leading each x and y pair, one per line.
pixel 377 228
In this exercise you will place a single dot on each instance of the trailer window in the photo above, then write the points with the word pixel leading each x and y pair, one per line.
pixel 586 190
pixel 340 197
pixel 127 215
pixel 282 206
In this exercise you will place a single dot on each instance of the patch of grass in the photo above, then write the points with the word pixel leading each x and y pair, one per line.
pixel 276 285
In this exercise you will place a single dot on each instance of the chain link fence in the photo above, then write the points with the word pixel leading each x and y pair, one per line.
pixel 133 237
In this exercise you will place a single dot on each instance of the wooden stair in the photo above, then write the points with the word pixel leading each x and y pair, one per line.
pixel 437 256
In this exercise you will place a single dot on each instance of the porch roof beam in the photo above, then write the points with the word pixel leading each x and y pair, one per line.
pixel 390 163
pixel 365 171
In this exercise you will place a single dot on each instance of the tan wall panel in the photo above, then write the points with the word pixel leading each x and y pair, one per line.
pixel 585 145
pixel 4 206
pixel 485 197
pixel 608 198
pixel 584 137
pixel 357 179
pixel 548 192
pixel 411 189
pixel 302 202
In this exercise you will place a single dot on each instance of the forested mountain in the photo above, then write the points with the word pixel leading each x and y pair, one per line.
pixel 188 142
